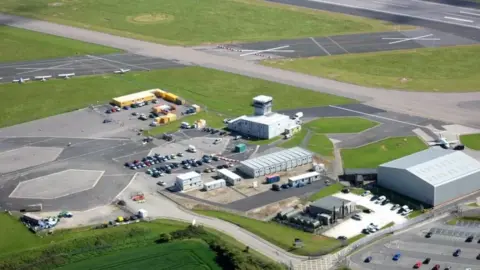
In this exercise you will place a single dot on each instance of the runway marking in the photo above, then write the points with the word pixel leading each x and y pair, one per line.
pixel 112 175
pixel 377 116
pixel 458 19
pixel 118 62
pixel 469 13
pixel 132 154
pixel 127 186
pixel 388 3
pixel 43 68
pixel 320 46
pixel 40 69
pixel 275 50
pixel 334 42
pixel 266 50
pixel 400 40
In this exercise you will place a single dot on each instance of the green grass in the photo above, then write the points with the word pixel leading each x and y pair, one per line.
pixel 264 142
pixel 374 154
pixel 415 213
pixel 388 225
pixel 188 254
pixel 455 220
pixel 321 144
pixel 471 141
pixel 357 191
pixel 429 69
pixel 327 191
pixel 221 91
pixel 21 45
pixel 213 119
pixel 340 125
pixel 279 235
pixel 355 238
pixel 172 22
pixel 296 139
pixel 473 204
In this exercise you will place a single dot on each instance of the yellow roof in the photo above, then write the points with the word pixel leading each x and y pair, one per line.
pixel 134 96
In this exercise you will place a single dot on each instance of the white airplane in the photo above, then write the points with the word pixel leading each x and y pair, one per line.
pixel 443 142
pixel 43 78
pixel 21 80
pixel 66 76
pixel 121 71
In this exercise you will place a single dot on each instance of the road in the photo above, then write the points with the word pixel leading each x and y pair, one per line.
pixel 441 106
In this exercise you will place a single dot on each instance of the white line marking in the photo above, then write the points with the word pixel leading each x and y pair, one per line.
pixel 377 116
pixel 320 46
pixel 113 61
pixel 458 19
pixel 59 137
pixel 267 50
pixel 40 69
pixel 128 185
pixel 43 68
pixel 275 51
pixel 334 42
pixel 404 38
pixel 111 175
pixel 408 39
pixel 387 3
pixel 470 13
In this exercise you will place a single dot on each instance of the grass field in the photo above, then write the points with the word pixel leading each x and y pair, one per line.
pixel 471 141
pixel 327 191
pixel 213 20
pixel 340 125
pixel 374 154
pixel 279 235
pixel 436 69
pixel 321 144
pixel 296 139
pixel 20 45
pixel 264 142
pixel 188 254
pixel 213 119
pixel 220 91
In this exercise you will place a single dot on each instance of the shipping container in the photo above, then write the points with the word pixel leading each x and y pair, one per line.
pixel 272 179
pixel 160 93
pixel 240 148
pixel 33 208
pixel 179 101
pixel 170 97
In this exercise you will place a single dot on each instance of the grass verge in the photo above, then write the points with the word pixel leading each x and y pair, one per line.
pixel 455 220
pixel 327 191
pixel 340 125
pixel 219 91
pixel 264 142
pixel 388 225
pixel 321 144
pixel 278 234
pixel 213 20
pixel 296 139
pixel 22 45
pixel 428 69
pixel 374 154
pixel 471 141
pixel 214 120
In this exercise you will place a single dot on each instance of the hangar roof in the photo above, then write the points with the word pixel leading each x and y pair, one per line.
pixel 437 166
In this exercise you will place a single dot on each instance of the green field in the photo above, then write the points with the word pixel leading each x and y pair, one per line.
pixel 279 235
pixel 327 191
pixel 428 69
pixel 220 91
pixel 20 45
pixel 296 139
pixel 172 22
pixel 321 144
pixel 471 141
pixel 340 125
pixel 374 154
pixel 188 254
pixel 213 120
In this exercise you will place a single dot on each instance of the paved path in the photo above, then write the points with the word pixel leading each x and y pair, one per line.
pixel 432 105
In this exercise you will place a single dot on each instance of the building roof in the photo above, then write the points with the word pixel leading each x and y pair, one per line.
pixel 437 166
pixel 303 176
pixel 228 174
pixel 276 158
pixel 215 182
pixel 188 175
pixel 268 119
pixel 135 96
pixel 262 99
pixel 360 171
pixel 329 202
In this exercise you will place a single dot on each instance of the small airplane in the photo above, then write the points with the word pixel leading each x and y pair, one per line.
pixel 66 76
pixel 121 71
pixel 443 142
pixel 21 80
pixel 43 78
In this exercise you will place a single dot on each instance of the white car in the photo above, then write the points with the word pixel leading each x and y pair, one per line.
pixel 357 217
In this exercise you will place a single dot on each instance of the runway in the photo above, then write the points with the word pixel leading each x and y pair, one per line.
pixel 346 44
pixel 82 65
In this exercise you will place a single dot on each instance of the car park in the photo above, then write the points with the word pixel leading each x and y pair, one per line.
pixel 457 253
pixel 368 259
pixel 365 193
pixel 436 267
pixel 385 202
pixel 417 265
pixel 357 217
pixel 396 257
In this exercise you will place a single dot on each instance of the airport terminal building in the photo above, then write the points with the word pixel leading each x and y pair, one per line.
pixel 433 176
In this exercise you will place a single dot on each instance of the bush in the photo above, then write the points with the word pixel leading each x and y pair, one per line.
pixel 164 238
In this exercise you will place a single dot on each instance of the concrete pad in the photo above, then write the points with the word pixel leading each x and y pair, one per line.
pixel 205 144
pixel 423 135
pixel 25 157
pixel 351 227
pixel 57 185
pixel 461 130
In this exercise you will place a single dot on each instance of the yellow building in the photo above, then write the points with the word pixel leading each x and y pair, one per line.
pixel 134 98
pixel 201 123
pixel 166 118
pixel 170 97
pixel 160 93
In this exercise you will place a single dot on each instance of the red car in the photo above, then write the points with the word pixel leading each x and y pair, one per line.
pixel 135 161
pixel 148 163
pixel 436 267
pixel 417 265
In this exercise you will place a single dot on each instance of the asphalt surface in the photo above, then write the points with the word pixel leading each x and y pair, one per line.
pixel 414 247
pixel 83 154
pixel 451 19
pixel 357 43
pixel 82 65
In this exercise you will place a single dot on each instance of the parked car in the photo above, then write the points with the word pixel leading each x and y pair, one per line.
pixel 426 261
pixel 357 217
pixel 457 253
pixel 342 238
pixel 478 257
pixel 385 202
pixel 428 235
pixel 368 211
pixel 436 267
pixel 396 257
pixel 345 190
pixel 276 187
pixel 368 259
pixel 395 207
pixel 469 239
pixel 285 186
pixel 417 265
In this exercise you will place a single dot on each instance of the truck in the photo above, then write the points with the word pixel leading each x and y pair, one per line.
pixel 191 149
pixel 298 115
pixel 272 179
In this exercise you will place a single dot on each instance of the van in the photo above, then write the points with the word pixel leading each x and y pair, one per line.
pixel 191 149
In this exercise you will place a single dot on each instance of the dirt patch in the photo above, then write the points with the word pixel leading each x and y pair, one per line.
pixel 384 148
pixel 150 18
pixel 55 4
pixel 272 209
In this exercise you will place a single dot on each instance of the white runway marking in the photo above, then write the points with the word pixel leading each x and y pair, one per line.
pixel 400 40
pixel 470 13
pixel 388 3
pixel 118 62
pixel 266 50
pixel 334 42
pixel 320 46
pixel 458 19
pixel 43 68
pixel 377 116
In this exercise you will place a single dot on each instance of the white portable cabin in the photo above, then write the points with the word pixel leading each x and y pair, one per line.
pixel 230 177
pixel 214 184
pixel 306 178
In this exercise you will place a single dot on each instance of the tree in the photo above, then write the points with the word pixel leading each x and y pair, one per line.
pixel 247 249
pixel 165 238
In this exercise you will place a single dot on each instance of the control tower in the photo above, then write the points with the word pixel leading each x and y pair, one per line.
pixel 262 105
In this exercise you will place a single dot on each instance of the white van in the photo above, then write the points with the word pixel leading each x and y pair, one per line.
pixel 380 199
pixel 192 149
